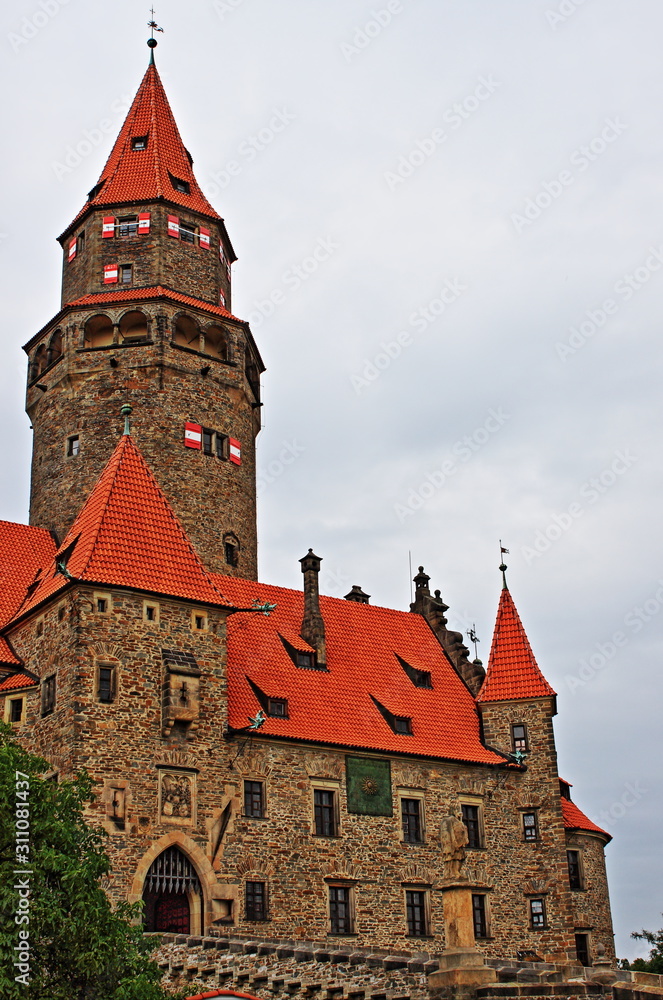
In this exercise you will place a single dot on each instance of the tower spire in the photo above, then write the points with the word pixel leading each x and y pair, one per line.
pixel 503 567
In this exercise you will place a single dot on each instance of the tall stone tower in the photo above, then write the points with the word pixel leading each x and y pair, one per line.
pixel 145 319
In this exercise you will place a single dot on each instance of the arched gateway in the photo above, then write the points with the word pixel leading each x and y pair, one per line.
pixel 171 893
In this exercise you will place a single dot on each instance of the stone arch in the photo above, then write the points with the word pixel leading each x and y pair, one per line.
pixel 199 860
pixel 39 362
pixel 217 342
pixel 133 325
pixel 186 331
pixel 54 347
pixel 98 331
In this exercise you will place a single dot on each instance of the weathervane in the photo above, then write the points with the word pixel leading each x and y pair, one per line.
pixel 153 26
pixel 255 722
pixel 472 635
pixel 503 567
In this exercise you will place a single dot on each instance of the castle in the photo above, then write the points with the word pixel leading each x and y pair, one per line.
pixel 273 761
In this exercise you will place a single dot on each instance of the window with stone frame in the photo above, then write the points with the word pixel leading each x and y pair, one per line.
pixel 255 901
pixel 416 912
pixel 472 814
pixel 519 737
pixel 254 799
pixel 480 915
pixel 537 914
pixel 412 820
pixel 106 682
pixel 341 916
pixel 573 860
pixel 530 826
pixel 48 688
pixel 15 710
pixel 325 812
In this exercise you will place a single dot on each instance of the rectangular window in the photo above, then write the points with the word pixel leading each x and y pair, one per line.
pixel 575 873
pixel 403 725
pixel 415 906
pixel 127 225
pixel 324 807
pixel 278 708
pixel 530 826
pixel 81 242
pixel 519 738
pixel 48 695
pixel 16 710
pixel 340 913
pixel 207 440
pixel 199 622
pixel 187 233
pixel 126 274
pixel 106 689
pixel 254 799
pixel 101 604
pixel 256 901
pixel 537 913
pixel 411 818
pixel 222 446
pixel 73 446
pixel 472 820
pixel 139 142
pixel 150 612
pixel 582 950
pixel 231 553
pixel 306 660
pixel 479 916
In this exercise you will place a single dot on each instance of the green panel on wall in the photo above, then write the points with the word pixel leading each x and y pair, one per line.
pixel 369 786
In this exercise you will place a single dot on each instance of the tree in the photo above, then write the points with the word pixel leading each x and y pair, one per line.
pixel 655 961
pixel 61 938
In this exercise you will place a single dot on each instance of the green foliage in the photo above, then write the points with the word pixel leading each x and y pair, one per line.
pixel 655 961
pixel 80 946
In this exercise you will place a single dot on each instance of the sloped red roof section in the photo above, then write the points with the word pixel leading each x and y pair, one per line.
pixel 126 534
pixel 513 673
pixel 16 681
pixel 24 550
pixel 575 819
pixel 336 706
pixel 151 292
pixel 147 174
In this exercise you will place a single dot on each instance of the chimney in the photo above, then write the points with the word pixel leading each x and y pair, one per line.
pixel 358 596
pixel 313 627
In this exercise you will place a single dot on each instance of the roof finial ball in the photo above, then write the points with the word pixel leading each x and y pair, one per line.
pixel 503 567
pixel 151 41
pixel 125 411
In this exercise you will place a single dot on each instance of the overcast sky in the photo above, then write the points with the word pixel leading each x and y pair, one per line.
pixel 449 224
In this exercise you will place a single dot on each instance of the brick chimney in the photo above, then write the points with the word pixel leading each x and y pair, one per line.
pixel 313 626
pixel 358 596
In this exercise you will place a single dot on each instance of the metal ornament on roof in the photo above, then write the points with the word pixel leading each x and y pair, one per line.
pixel 172 872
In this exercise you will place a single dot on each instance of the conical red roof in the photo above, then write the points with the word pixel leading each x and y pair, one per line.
pixel 127 535
pixel 513 673
pixel 147 174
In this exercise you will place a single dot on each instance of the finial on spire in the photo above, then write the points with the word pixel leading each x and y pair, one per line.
pixel 125 411
pixel 472 634
pixel 152 42
pixel 503 566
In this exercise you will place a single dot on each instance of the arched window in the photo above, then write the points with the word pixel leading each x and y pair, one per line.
pixel 133 326
pixel 98 331
pixel 40 361
pixel 216 342
pixel 55 347
pixel 171 886
pixel 231 549
pixel 187 333
pixel 253 377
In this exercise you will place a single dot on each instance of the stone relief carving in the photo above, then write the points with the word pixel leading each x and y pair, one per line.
pixel 177 797
pixel 325 766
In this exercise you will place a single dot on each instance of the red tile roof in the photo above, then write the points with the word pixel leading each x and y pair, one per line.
pixel 575 819
pixel 127 535
pixel 152 292
pixel 513 673
pixel 23 551
pixel 336 706
pixel 145 174
pixel 15 681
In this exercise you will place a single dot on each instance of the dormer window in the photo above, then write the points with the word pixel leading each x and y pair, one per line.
pixel 182 186
pixel 305 660
pixel 139 142
pixel 277 708
pixel 403 725
pixel 420 678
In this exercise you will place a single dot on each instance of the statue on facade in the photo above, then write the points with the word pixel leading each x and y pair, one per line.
pixel 454 839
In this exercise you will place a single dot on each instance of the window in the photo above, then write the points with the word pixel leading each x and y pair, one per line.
pixel 48 695
pixel 582 950
pixel 61 613
pixel 102 604
pixel 530 826
pixel 39 629
pixel 575 871
pixel 254 799
pixel 106 683
pixel 127 225
pixel 256 901
pixel 150 612
pixel 15 709
pixel 187 233
pixel 180 185
pixel 340 909
pixel 402 725
pixel 305 660
pixel 73 446
pixel 411 819
pixel 479 916
pixel 420 678
pixel 222 447
pixel 207 440
pixel 139 142
pixel 537 914
pixel 126 274
pixel 231 553
pixel 324 808
pixel 415 908
pixel 278 708
pixel 472 820
pixel 519 738
pixel 81 241
pixel 198 622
